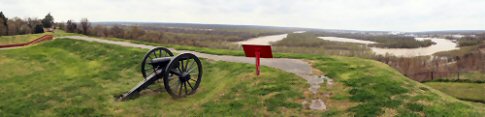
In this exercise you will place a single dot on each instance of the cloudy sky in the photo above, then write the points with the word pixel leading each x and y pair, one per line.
pixel 391 15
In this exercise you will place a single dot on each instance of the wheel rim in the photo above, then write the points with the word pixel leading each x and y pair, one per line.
pixel 184 76
pixel 159 52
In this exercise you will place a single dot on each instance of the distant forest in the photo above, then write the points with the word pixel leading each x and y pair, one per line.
pixel 208 36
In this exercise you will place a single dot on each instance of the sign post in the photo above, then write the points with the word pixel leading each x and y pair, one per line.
pixel 258 51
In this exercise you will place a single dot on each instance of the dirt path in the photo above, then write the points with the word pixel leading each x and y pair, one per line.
pixel 299 67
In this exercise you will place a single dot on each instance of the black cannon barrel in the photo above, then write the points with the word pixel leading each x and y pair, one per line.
pixel 163 60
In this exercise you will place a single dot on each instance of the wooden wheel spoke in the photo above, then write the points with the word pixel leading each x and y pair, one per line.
pixel 190 85
pixel 181 65
pixel 187 64
pixel 180 89
pixel 160 52
pixel 154 54
pixel 192 69
pixel 178 68
pixel 171 85
pixel 185 85
pixel 194 72
pixel 191 66
pixel 193 80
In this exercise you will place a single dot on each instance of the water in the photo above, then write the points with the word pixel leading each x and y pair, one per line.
pixel 264 40
pixel 441 45
pixel 338 39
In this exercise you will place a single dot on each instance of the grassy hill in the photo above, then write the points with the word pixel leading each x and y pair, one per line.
pixel 381 90
pixel 463 90
pixel 369 88
pixel 77 78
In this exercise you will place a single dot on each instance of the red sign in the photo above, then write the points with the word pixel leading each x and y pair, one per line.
pixel 258 51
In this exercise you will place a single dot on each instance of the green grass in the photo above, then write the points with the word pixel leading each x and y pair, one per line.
pixel 80 78
pixel 369 88
pixel 19 38
pixel 380 90
pixel 465 91
pixel 469 76
pixel 77 78
pixel 60 33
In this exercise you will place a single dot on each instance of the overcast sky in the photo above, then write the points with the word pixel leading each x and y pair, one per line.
pixel 391 15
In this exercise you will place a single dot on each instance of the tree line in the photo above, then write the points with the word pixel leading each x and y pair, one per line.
pixel 212 38
pixel 19 26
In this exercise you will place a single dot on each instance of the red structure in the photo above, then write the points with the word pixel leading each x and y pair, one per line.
pixel 258 51
pixel 38 40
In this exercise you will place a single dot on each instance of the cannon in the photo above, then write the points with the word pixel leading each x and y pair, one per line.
pixel 181 75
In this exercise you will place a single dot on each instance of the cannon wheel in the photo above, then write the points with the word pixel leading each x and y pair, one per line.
pixel 184 76
pixel 158 52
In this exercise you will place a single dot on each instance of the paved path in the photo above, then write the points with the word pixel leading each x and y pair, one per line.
pixel 296 66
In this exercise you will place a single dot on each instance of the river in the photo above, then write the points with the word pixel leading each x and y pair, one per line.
pixel 441 45
pixel 264 40
pixel 346 40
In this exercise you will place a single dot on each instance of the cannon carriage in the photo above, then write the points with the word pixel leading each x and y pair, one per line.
pixel 181 75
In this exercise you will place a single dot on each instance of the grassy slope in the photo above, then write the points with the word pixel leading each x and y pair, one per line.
pixel 380 90
pixel 466 91
pixel 19 38
pixel 76 78
pixel 472 76
pixel 376 88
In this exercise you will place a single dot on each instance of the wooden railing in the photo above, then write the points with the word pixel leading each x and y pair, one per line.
pixel 38 40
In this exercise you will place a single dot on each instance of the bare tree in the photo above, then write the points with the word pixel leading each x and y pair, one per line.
pixel 117 32
pixel 71 26
pixel 135 32
pixel 85 26
pixel 100 31
pixel 31 23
